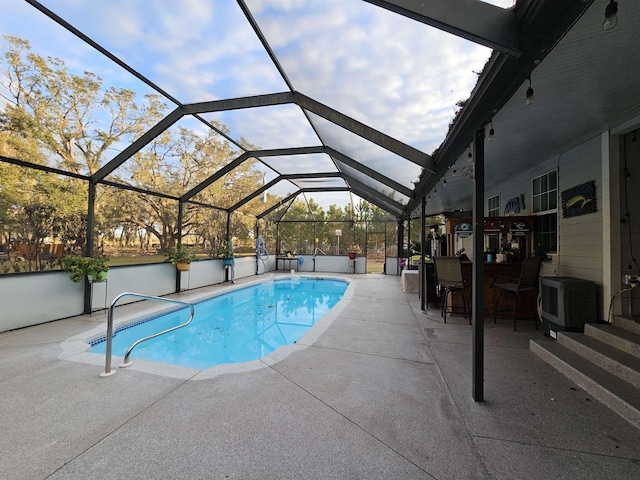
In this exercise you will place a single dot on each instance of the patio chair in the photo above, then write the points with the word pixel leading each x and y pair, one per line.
pixel 448 273
pixel 528 281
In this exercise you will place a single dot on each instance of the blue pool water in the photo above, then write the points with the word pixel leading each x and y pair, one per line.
pixel 239 326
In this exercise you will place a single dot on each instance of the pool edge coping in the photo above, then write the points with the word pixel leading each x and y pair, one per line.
pixel 77 349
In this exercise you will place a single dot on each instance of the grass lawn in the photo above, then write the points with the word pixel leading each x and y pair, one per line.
pixel 375 266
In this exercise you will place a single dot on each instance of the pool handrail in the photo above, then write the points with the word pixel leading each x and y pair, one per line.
pixel 109 337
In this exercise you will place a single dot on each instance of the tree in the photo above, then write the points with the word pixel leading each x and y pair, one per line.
pixel 173 163
pixel 56 117
pixel 70 115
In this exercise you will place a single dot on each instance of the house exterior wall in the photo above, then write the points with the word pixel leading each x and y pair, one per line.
pixel 629 196
pixel 580 239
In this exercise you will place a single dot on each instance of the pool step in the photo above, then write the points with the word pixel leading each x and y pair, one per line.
pixel 604 361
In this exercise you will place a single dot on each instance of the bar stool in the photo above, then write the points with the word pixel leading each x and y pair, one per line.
pixel 448 271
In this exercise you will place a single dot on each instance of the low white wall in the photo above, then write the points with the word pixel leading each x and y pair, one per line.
pixel 154 279
pixel 391 266
pixel 245 267
pixel 327 263
pixel 268 265
pixel 210 272
pixel 201 274
pixel 30 299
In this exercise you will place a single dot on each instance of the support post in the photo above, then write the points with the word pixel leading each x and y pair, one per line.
pixel 178 272
pixel 478 267
pixel 400 244
pixel 423 249
pixel 256 244
pixel 91 223
pixel 366 241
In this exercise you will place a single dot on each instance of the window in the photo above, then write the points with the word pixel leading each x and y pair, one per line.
pixel 545 203
pixel 545 192
pixel 493 206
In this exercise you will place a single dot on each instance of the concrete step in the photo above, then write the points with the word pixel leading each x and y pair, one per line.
pixel 627 324
pixel 614 361
pixel 615 336
pixel 615 393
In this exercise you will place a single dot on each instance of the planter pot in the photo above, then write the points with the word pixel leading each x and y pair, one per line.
pixel 227 261
pixel 97 277
pixel 352 256
pixel 183 266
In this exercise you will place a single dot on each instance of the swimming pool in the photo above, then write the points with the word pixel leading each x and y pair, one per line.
pixel 239 326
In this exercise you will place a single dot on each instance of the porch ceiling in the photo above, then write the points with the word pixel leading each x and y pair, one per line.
pixel 587 84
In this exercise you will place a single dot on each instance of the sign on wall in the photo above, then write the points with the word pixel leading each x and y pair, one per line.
pixel 579 200
pixel 463 229
pixel 514 206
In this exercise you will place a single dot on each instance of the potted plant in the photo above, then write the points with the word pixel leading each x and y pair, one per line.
pixel 181 257
pixel 225 252
pixel 94 267
pixel 354 250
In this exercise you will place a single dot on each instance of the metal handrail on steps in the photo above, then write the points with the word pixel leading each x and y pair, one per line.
pixel 109 338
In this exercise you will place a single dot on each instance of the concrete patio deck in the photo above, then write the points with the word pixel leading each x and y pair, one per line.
pixel 379 391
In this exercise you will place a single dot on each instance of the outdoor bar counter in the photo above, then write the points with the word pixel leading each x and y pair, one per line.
pixel 526 301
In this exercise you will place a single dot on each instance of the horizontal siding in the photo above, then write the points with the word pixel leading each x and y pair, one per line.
pixel 590 252
pixel 581 164
pixel 593 225
pixel 580 239
pixel 549 268
pixel 582 262
pixel 595 275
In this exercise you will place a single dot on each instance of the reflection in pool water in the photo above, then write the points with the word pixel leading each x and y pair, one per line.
pixel 239 326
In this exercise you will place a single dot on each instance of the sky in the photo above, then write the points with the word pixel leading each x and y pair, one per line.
pixel 399 76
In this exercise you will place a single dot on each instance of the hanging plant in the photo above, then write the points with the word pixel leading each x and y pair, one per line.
pixel 354 250
pixel 78 267
pixel 181 257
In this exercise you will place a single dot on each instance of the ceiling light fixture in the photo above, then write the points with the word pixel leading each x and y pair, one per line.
pixel 610 16
pixel 530 98
pixel 444 182
pixel 492 132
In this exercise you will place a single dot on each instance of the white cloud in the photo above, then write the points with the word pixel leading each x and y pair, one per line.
pixel 399 76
